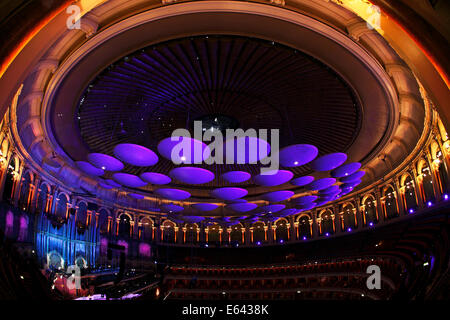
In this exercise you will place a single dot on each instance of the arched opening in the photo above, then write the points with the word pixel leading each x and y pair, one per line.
pixel 259 234
pixel 124 226
pixel 281 230
pixel 304 228
pixel 390 203
pixel 62 206
pixel 168 231
pixel 24 194
pixel 236 235
pixel 214 234
pixel 81 220
pixel 326 223
pixel 191 233
pixel 42 198
pixel 370 211
pixel 103 221
pixel 349 217
pixel 11 172
pixel 442 172
pixel 146 229
pixel 410 194
pixel 427 181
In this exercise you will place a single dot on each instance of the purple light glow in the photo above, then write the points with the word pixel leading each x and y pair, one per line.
pixel 429 203
pixel 187 150
pixel 105 162
pixel 330 190
pixel 229 193
pixel 321 184
pixel 135 155
pixel 327 234
pixel 328 162
pixel 345 170
pixel 129 180
pixel 445 196
pixel 205 206
pixel 304 238
pixel 349 229
pixel 144 250
pixel 277 178
pixel 371 224
pixel 192 175
pixel 305 199
pixel 236 176
pixel 411 211
pixel 258 243
pixel 302 181
pixel 155 178
pixel 242 207
pixel 277 196
pixel 173 194
pixel 297 155
pixel 171 208
pixel 113 183
pixel 281 241
pixel 246 150
pixel 89 169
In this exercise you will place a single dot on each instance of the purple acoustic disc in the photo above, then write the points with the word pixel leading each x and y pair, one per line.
pixel 242 207
pixel 353 177
pixel 328 162
pixel 136 195
pixel 327 198
pixel 192 175
pixel 105 185
pixel 270 180
pixel 321 202
pixel 244 150
pixel 307 206
pixel 321 184
pixel 277 196
pixel 330 190
pixel 305 199
pixel 236 176
pixel 346 170
pixel 171 208
pixel 297 155
pixel 113 183
pixel 229 193
pixel 173 194
pixel 352 184
pixel 129 180
pixel 302 181
pixel 135 154
pixel 88 168
pixel 183 150
pixel 192 219
pixel 175 218
pixel 105 162
pixel 236 201
pixel 155 178
pixel 205 206
pixel 271 208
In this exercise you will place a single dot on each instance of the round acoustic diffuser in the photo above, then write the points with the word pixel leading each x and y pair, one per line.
pixel 321 184
pixel 271 208
pixel 171 208
pixel 229 193
pixel 129 180
pixel 135 155
pixel 353 177
pixel 242 207
pixel 302 181
pixel 155 178
pixel 297 155
pixel 173 194
pixel 89 169
pixel 305 199
pixel 244 150
pixel 236 176
pixel 105 162
pixel 192 175
pixel 328 162
pixel 205 206
pixel 277 196
pixel 277 178
pixel 346 170
pixel 183 150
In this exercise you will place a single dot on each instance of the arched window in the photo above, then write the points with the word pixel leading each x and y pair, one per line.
pixel 168 231
pixel 42 198
pixel 103 221
pixel 427 183
pixel 304 228
pixel 259 234
pixel 349 217
pixel 410 194
pixel 10 180
pixel 81 214
pixel 191 233
pixel 281 230
pixel 326 223
pixel 25 191
pixel 390 203
pixel 370 211
pixel 214 234
pixel 124 225
pixel 146 229
pixel 62 206
pixel 442 172
pixel 236 235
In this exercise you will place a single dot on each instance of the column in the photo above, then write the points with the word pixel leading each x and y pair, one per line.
pixel 400 196
pixel 293 235
pixel 247 233
pixel 337 219
pixel 358 212
pixel 270 233
pixel 380 210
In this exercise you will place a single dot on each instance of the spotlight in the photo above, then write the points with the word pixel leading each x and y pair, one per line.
pixel 206 245
pixel 371 224
pixel 327 234
pixel 304 238
pixel 281 241
pixel 411 211
pixel 296 162
pixel 445 196
pixel 349 229
pixel 429 203
pixel 258 243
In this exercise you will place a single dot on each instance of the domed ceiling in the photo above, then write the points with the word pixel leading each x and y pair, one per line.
pixel 243 82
